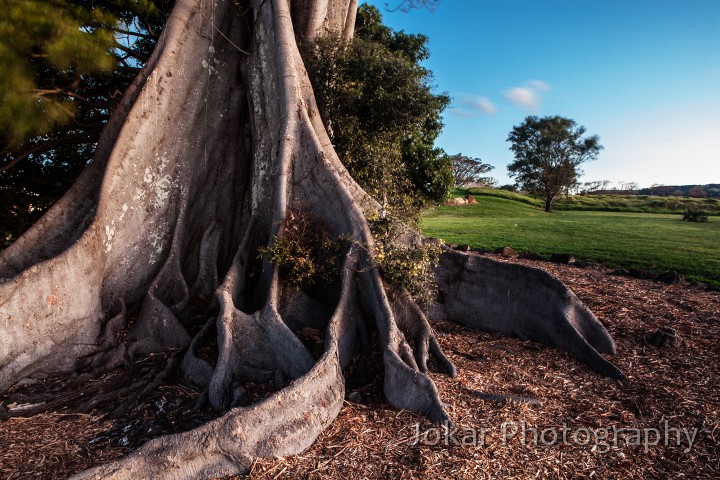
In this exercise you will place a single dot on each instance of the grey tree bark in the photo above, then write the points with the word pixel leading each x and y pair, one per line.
pixel 215 142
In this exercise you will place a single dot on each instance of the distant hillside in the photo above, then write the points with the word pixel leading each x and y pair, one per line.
pixel 610 203
pixel 699 191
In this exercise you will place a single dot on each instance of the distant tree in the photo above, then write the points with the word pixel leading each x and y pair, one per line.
pixel 628 187
pixel 548 152
pixel 659 190
pixel 572 189
pixel 697 192
pixel 489 182
pixel 590 187
pixel 468 170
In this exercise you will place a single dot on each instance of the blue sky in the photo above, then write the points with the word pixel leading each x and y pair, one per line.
pixel 644 75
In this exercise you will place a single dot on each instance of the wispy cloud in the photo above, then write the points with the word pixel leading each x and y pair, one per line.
pixel 539 85
pixel 463 113
pixel 472 105
pixel 485 105
pixel 528 96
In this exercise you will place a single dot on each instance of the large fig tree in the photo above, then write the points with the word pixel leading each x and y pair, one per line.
pixel 215 150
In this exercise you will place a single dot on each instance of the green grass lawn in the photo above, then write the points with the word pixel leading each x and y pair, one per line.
pixel 650 241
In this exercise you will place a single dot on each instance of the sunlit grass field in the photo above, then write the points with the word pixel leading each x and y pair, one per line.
pixel 634 240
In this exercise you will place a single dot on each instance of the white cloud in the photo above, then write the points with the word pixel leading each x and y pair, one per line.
pixel 523 96
pixel 473 104
pixel 485 105
pixel 527 97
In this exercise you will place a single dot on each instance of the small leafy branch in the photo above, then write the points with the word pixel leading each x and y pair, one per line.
pixel 404 264
pixel 305 254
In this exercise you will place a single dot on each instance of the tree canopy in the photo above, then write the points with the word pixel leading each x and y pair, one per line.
pixel 468 170
pixel 382 115
pixel 548 153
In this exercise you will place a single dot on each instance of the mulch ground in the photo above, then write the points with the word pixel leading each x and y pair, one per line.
pixel 520 410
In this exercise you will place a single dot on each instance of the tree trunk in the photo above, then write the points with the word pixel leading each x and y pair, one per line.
pixel 215 143
pixel 548 204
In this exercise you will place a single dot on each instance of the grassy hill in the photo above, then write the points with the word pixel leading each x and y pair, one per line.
pixel 611 203
pixel 653 241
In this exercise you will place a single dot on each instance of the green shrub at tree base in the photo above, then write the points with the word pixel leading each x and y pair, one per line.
pixel 305 254
pixel 409 267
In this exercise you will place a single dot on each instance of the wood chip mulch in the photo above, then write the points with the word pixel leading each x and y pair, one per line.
pixel 520 409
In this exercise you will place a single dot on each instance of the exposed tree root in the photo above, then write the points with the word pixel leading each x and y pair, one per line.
pixel 283 424
pixel 524 302
pixel 221 140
